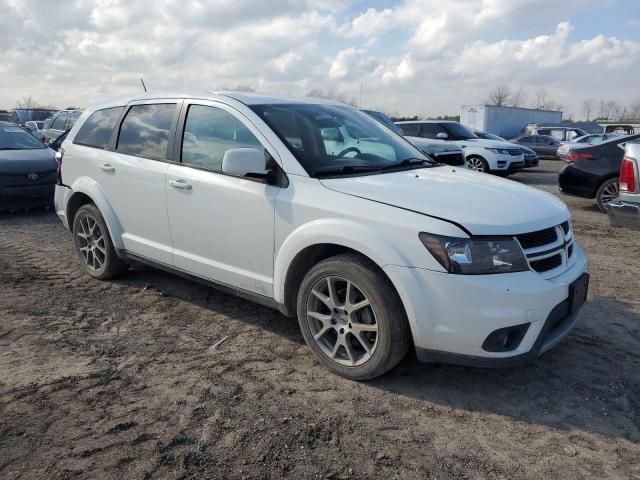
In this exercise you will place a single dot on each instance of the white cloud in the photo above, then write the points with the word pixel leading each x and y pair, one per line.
pixel 418 56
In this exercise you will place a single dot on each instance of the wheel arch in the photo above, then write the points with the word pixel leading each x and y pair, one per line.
pixel 86 191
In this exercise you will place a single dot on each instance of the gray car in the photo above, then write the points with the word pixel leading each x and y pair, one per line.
pixel 625 210
pixel 60 123
pixel 544 145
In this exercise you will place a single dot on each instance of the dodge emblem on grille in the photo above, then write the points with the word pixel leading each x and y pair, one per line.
pixel 32 176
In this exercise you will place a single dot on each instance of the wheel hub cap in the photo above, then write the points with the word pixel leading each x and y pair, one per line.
pixel 342 321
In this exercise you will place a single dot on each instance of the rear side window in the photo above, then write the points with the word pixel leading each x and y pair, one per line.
pixel 145 130
pixel 96 130
pixel 59 122
pixel 209 132
pixel 410 129
pixel 431 130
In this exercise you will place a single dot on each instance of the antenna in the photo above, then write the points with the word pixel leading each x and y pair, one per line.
pixel 143 85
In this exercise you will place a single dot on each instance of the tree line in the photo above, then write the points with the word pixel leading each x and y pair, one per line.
pixel 592 109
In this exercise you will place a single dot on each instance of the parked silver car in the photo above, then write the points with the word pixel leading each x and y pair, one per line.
pixel 60 123
pixel 625 210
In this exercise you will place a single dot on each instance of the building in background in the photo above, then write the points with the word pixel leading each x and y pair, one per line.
pixel 506 122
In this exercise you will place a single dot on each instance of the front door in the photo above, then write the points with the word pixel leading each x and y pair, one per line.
pixel 222 226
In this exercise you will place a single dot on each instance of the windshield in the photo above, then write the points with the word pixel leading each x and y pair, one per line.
pixel 331 140
pixel 15 138
pixel 457 131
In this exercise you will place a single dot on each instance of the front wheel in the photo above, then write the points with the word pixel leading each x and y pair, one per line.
pixel 478 164
pixel 93 245
pixel 607 193
pixel 352 318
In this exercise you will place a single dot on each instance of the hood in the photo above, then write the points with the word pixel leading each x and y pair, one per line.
pixel 27 161
pixel 483 142
pixel 483 204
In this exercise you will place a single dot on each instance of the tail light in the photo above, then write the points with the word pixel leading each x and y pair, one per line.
pixel 573 156
pixel 59 155
pixel 628 176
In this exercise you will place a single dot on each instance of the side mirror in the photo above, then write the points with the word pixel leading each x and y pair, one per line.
pixel 442 136
pixel 246 162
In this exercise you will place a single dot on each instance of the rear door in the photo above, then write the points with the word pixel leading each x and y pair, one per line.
pixel 132 173
pixel 222 226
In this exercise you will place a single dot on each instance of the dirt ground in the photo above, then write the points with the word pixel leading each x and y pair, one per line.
pixel 121 380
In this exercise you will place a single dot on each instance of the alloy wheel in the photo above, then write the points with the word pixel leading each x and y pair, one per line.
pixel 91 242
pixel 476 164
pixel 610 193
pixel 342 321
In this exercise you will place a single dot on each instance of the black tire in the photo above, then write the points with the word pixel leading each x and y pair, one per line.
pixel 392 335
pixel 603 193
pixel 485 165
pixel 103 263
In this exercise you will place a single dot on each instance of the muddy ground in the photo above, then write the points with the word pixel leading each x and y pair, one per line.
pixel 120 380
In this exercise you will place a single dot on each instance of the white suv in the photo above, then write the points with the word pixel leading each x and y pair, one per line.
pixel 482 155
pixel 375 248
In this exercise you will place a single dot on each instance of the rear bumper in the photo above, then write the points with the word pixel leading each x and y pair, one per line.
pixel 60 199
pixel 624 214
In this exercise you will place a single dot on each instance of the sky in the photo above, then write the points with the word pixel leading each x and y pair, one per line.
pixel 407 57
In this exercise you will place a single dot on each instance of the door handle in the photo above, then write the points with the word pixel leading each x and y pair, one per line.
pixel 181 184
pixel 107 167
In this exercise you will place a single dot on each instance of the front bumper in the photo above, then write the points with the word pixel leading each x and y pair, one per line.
pixel 624 214
pixel 451 316
pixel 18 193
pixel 504 162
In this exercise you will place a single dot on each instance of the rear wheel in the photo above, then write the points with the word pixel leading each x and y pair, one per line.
pixel 478 164
pixel 93 245
pixel 351 318
pixel 607 193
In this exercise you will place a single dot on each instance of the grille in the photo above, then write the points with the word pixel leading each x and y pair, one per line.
pixel 570 251
pixel 547 264
pixel 565 227
pixel 42 176
pixel 538 239
pixel 515 151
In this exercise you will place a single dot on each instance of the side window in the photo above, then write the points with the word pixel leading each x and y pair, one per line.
pixel 209 132
pixel 72 119
pixel 59 122
pixel 410 129
pixel 145 130
pixel 96 130
pixel 526 140
pixel 431 130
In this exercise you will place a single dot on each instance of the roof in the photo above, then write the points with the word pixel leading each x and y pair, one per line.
pixel 511 108
pixel 248 98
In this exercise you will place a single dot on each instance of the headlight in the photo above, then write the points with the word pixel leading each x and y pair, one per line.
pixel 476 256
pixel 501 151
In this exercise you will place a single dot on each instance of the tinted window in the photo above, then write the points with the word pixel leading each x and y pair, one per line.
pixel 410 129
pixel 431 130
pixel 145 130
pixel 59 122
pixel 72 118
pixel 457 131
pixel 526 140
pixel 96 130
pixel 209 132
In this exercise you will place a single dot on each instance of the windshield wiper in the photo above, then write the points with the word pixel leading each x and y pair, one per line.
pixel 346 170
pixel 410 162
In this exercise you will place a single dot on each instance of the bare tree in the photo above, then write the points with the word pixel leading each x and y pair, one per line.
pixel 541 99
pixel 498 96
pixel 604 110
pixel 26 103
pixel 634 110
pixel 588 106
pixel 519 98
pixel 617 110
